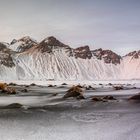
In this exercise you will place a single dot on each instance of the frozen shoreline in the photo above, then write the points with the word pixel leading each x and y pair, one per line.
pixel 99 121
pixel 87 82
pixel 47 117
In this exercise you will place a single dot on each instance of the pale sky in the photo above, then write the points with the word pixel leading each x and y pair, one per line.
pixel 107 24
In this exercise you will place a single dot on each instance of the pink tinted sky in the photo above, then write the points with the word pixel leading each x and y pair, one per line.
pixel 108 24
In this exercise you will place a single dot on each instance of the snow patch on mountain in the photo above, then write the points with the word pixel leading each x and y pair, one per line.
pixel 130 66
pixel 22 44
pixel 59 66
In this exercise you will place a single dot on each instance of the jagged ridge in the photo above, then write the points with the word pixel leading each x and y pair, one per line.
pixel 52 59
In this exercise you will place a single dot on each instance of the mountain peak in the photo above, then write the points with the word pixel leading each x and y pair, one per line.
pixel 22 44
pixel 25 39
pixel 83 52
pixel 51 40
pixel 134 54
pixel 50 43
pixel 107 55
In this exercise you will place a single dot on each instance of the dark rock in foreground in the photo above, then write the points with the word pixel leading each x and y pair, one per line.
pixel 7 90
pixel 103 99
pixel 135 97
pixel 33 84
pixel 64 84
pixel 54 94
pixel 12 84
pixel 118 87
pixel 24 90
pixel 13 105
pixel 51 85
pixel 109 98
pixel 74 91
pixel 97 99
pixel 90 88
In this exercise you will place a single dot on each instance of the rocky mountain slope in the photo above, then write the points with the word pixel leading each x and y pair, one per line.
pixel 26 59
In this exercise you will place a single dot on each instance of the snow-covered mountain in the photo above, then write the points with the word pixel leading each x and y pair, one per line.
pixel 22 44
pixel 131 65
pixel 26 59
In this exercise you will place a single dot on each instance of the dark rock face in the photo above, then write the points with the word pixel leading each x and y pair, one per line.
pixel 134 54
pixel 83 52
pixel 107 55
pixel 26 43
pixel 50 43
pixel 5 56
pixel 97 53
pixel 13 41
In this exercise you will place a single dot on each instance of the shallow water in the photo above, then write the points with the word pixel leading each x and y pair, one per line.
pixel 47 117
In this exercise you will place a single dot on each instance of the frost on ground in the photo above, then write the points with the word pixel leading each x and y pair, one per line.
pixel 48 117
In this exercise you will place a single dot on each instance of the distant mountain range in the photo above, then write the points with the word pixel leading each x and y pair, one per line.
pixel 50 59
